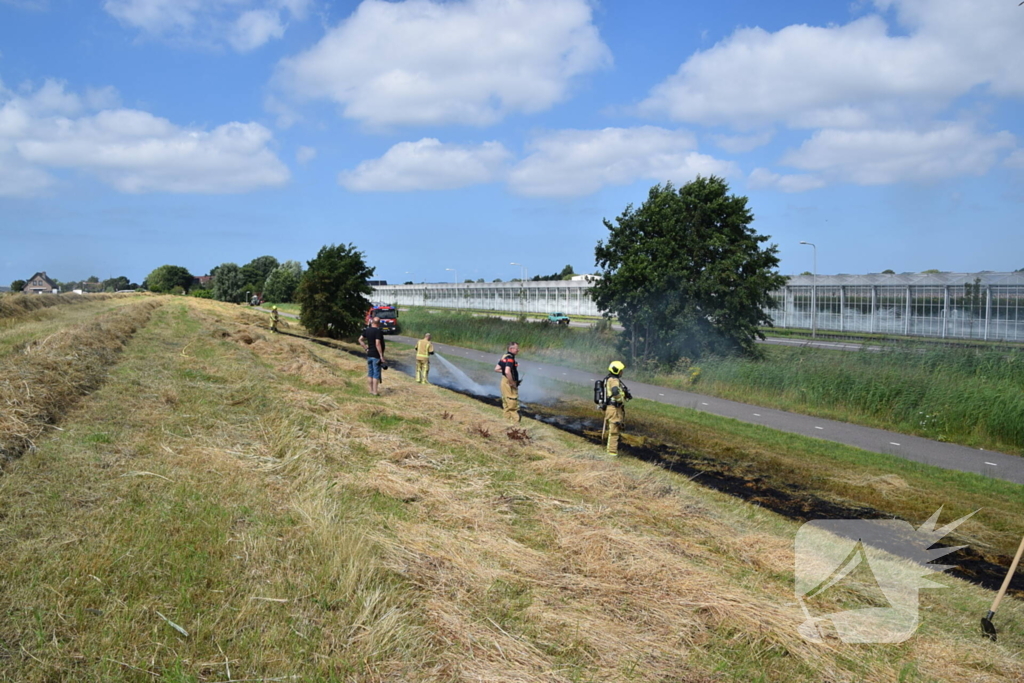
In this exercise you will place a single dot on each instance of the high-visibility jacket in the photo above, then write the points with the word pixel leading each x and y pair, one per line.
pixel 423 349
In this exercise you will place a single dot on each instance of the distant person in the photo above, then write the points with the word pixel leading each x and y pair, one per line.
pixel 424 350
pixel 616 395
pixel 372 341
pixel 273 318
pixel 509 369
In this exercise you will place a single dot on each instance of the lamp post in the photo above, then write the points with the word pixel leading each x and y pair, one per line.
pixel 814 292
pixel 522 287
pixel 455 280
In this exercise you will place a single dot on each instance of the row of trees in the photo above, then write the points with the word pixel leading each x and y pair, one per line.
pixel 332 293
pixel 230 282
pixel 92 284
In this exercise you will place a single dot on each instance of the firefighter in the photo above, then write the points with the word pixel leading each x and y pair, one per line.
pixel 424 350
pixel 616 395
pixel 509 369
pixel 273 318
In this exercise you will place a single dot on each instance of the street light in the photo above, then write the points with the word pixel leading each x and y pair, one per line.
pixel 814 292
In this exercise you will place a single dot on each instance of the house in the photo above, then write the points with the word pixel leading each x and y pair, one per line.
pixel 40 284
pixel 203 281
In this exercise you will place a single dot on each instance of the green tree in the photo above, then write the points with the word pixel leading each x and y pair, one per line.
pixel 92 279
pixel 888 271
pixel 333 292
pixel 116 283
pixel 256 272
pixel 165 278
pixel 686 275
pixel 228 284
pixel 282 281
pixel 18 285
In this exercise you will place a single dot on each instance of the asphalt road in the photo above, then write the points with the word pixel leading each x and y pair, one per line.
pixel 945 455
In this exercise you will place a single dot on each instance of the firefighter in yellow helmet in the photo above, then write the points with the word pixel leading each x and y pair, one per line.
pixel 424 350
pixel 273 318
pixel 509 369
pixel 616 395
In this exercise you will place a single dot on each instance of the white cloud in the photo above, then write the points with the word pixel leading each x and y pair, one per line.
pixel 244 24
pixel 763 179
pixel 468 62
pixel 1016 160
pixel 305 154
pixel 856 75
pixel 877 157
pixel 743 143
pixel 131 150
pixel 428 165
pixel 254 28
pixel 579 162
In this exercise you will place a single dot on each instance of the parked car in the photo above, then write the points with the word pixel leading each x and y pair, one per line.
pixel 558 318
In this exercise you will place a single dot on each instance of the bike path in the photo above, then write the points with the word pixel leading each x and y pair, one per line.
pixel 946 455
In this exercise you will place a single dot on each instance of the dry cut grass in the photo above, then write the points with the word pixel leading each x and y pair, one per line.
pixel 39 384
pixel 299 529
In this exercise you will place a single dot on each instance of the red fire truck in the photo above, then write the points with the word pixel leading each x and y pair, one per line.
pixel 388 317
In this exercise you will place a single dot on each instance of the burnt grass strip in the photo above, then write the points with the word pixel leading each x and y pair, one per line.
pixel 797 503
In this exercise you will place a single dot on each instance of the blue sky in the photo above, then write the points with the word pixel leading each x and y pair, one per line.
pixel 472 133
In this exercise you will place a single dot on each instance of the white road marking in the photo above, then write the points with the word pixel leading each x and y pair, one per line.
pixel 893 443
pixel 991 463
pixel 757 414
pixel 661 394
pixel 816 427
pixel 703 404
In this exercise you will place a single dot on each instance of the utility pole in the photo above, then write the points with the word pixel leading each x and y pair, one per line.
pixel 814 292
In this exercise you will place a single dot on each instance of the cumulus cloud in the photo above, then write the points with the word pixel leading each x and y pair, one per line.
pixel 579 162
pixel 763 179
pixel 254 28
pixel 129 149
pixel 305 154
pixel 428 62
pixel 428 165
pixel 243 24
pixel 857 75
pixel 877 157
pixel 1016 160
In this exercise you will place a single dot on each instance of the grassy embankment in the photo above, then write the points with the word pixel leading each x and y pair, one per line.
pixel 968 396
pixel 243 489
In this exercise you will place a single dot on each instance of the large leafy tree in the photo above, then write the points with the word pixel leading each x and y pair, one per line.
pixel 18 285
pixel 282 281
pixel 255 272
pixel 166 278
pixel 686 274
pixel 333 292
pixel 228 284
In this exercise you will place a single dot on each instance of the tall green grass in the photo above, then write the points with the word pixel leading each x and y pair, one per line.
pixel 962 395
pixel 582 347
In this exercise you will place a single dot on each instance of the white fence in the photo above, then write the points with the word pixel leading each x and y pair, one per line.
pixel 951 305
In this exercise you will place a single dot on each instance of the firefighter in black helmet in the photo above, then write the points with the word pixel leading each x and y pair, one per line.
pixel 616 395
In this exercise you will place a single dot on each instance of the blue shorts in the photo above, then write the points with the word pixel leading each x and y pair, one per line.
pixel 373 368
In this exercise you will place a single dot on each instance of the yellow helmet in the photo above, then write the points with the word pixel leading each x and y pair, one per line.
pixel 616 367
pixel 274 307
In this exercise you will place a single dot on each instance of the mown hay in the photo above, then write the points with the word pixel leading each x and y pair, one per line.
pixel 42 382
pixel 15 305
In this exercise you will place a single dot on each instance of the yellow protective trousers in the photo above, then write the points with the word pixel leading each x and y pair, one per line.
pixel 422 370
pixel 614 415
pixel 510 400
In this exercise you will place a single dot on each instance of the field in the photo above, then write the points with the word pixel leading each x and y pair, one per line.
pixel 968 396
pixel 222 504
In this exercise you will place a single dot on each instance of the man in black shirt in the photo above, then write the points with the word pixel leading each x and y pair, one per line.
pixel 372 341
